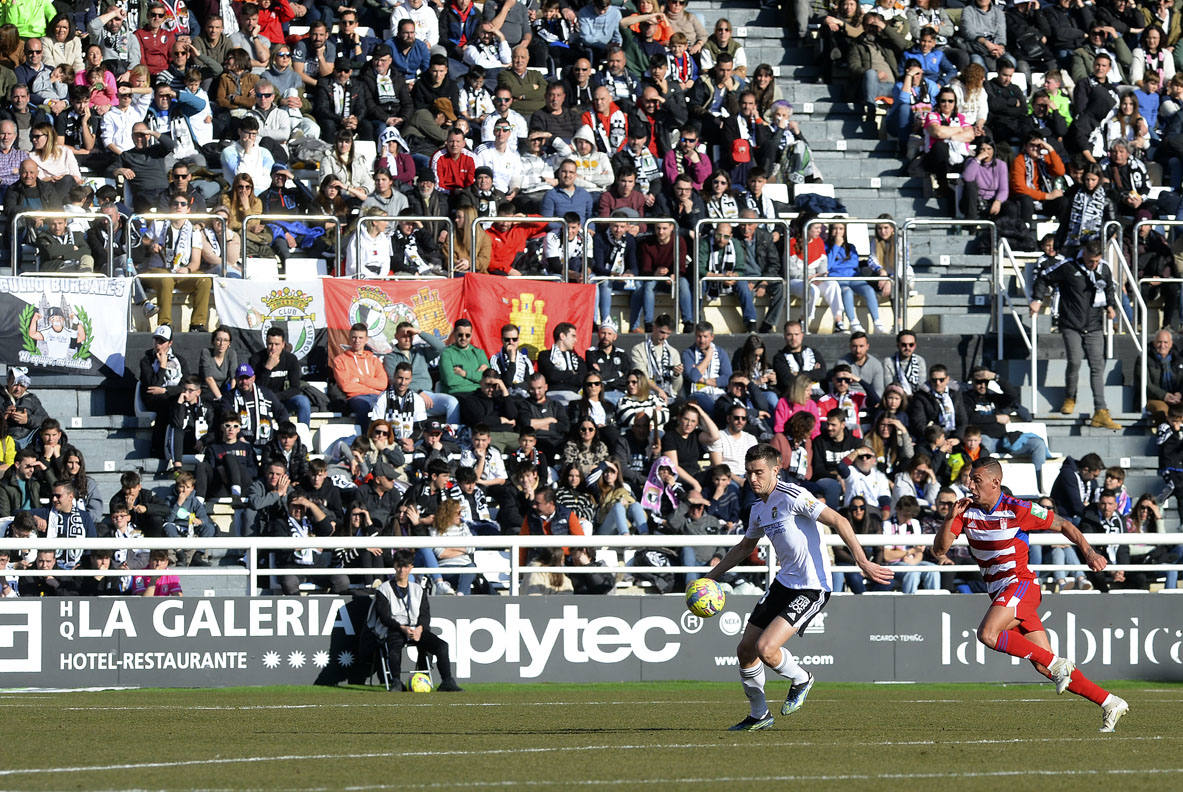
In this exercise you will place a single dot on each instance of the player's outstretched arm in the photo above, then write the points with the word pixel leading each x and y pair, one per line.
pixel 870 570
pixel 735 555
pixel 1092 559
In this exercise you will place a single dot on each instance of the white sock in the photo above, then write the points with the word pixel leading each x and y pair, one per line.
pixel 788 668
pixel 753 687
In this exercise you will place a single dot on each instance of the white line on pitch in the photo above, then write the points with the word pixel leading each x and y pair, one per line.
pixel 547 749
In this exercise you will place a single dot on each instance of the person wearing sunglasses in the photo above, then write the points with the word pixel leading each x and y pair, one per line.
pixel 905 368
pixel 841 397
pixel 152 44
pixel 936 403
pixel 461 362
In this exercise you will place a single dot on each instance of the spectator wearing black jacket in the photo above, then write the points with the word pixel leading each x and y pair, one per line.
pixel 833 445
pixel 278 370
pixel 287 448
pixel 190 423
pixel 1064 25
pixel 796 358
pixel 992 406
pixel 562 366
pixel 148 512
pixel 1164 376
pixel 161 374
pixel 1076 486
pixel 22 410
pixel 340 102
pixel 547 417
pixel 388 97
pixel 301 518
pixel 589 582
pixel 1007 119
pixel 257 407
pixel 1087 299
pixel 936 403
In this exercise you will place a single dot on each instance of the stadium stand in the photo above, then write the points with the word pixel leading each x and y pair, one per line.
pixel 289 140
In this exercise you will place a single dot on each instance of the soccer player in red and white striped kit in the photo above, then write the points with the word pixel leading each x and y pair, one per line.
pixel 996 526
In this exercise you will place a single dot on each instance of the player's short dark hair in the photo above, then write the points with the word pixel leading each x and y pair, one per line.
pixel 987 463
pixel 764 451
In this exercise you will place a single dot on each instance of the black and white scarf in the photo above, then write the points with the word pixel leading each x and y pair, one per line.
pixel 661 370
pixel 400 412
pixel 563 360
pixel 255 414
pixel 805 360
pixel 513 373
pixel 906 373
pixel 69 526
pixel 723 206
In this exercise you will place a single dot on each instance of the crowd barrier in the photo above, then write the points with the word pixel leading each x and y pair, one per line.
pixel 251 572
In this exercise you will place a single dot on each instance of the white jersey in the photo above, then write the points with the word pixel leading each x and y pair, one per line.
pixel 789 519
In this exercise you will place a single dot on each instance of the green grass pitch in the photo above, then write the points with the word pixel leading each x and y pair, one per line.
pixel 652 736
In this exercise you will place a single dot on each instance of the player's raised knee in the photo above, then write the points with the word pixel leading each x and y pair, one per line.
pixel 988 636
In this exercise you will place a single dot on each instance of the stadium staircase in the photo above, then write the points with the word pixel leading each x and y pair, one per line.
pixel 949 311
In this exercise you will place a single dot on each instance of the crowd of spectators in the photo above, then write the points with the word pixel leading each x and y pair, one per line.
pixel 317 110
pixel 559 111
pixel 1066 111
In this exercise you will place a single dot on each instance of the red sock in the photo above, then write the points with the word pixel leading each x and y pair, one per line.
pixel 1013 643
pixel 1086 688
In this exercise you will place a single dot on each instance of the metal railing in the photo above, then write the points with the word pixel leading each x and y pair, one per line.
pixel 252 572
pixel 896 279
pixel 993 278
pixel 1007 260
pixel 1120 270
pixel 699 278
pixel 1140 282
pixel 298 217
pixel 401 219
pixel 15 241
pixel 565 277
pixel 671 279
pixel 167 217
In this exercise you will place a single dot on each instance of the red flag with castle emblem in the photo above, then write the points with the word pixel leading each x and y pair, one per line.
pixel 535 306
pixel 381 305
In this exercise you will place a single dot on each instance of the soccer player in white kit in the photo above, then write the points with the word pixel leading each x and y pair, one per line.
pixel 788 515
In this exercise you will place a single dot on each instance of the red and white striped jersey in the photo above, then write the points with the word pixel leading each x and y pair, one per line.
pixel 998 538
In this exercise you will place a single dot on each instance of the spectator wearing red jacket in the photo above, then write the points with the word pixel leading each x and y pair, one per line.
pixel 453 165
pixel 359 374
pixel 509 239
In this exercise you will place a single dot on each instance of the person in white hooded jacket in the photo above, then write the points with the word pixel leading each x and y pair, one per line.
pixel 594 168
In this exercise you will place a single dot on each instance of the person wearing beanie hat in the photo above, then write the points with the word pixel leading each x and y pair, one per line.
pixel 22 409
pixel 390 99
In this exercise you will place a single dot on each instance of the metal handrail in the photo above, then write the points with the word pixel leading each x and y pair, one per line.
pixel 1006 257
pixel 898 279
pixel 1137 268
pixel 414 219
pixel 513 543
pixel 15 241
pixel 1117 257
pixel 166 217
pixel 671 279
pixel 698 279
pixel 995 266
pixel 478 221
pixel 265 217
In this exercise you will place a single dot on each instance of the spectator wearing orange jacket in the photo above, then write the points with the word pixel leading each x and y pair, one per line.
pixel 509 239
pixel 547 518
pixel 1031 178
pixel 359 374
